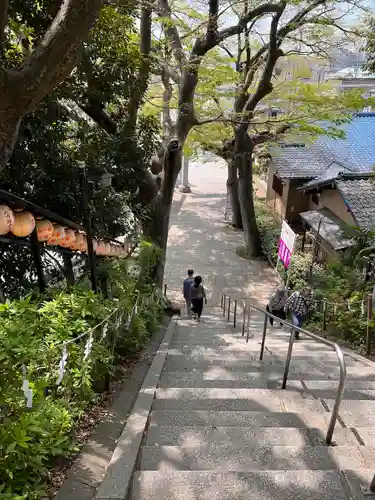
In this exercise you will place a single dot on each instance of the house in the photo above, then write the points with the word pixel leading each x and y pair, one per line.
pixel 336 203
pixel 294 165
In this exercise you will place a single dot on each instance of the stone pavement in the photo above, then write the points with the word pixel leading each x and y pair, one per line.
pixel 220 427
pixel 199 239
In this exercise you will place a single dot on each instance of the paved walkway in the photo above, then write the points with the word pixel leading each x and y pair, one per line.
pixel 220 426
pixel 199 239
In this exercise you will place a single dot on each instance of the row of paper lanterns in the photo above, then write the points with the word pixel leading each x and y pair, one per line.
pixel 23 223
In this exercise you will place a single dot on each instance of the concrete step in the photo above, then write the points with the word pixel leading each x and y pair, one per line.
pixel 356 413
pixel 349 394
pixel 244 436
pixel 239 419
pixel 250 458
pixel 182 363
pixel 216 393
pixel 220 345
pixel 268 369
pixel 270 405
pixel 179 379
pixel 234 400
pixel 197 354
pixel 267 485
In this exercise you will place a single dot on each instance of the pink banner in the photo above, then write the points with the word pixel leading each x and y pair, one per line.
pixel 284 253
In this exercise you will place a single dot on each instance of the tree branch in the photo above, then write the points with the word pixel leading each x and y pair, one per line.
pixel 171 33
pixel 101 117
pixel 144 68
pixel 267 135
pixel 267 8
pixel 264 86
pixel 209 120
pixel 56 55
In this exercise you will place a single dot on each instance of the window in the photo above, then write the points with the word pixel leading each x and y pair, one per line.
pixel 277 185
pixel 315 198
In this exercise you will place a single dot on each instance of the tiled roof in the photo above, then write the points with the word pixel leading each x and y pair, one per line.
pixel 326 177
pixel 359 196
pixel 299 162
pixel 330 227
pixel 356 151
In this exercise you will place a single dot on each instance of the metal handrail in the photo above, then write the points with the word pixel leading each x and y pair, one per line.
pixel 294 329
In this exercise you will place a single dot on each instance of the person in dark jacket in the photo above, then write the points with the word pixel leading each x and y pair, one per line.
pixel 276 303
pixel 197 296
pixel 186 289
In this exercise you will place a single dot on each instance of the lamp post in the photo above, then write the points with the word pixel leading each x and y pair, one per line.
pixel 86 213
pixel 184 187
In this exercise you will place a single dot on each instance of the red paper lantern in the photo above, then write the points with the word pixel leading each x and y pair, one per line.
pixel 6 219
pixel 24 224
pixel 76 245
pixel 57 236
pixel 44 229
pixel 84 244
pixel 68 239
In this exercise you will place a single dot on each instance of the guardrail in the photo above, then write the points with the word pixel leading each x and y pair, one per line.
pixel 246 316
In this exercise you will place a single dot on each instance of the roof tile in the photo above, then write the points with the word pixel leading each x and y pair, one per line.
pixel 356 151
pixel 359 195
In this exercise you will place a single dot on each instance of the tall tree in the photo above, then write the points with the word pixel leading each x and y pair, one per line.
pixel 44 61
pixel 282 19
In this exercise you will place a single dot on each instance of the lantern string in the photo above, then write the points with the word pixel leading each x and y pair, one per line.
pixel 62 364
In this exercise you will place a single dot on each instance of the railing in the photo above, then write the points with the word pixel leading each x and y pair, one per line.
pixel 246 315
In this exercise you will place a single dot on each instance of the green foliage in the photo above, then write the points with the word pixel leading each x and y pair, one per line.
pixel 32 335
pixel 338 282
pixel 269 227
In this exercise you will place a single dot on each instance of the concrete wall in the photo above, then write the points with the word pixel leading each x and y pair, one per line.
pixel 331 198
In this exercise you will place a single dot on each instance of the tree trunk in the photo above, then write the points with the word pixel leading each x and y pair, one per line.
pixel 8 135
pixel 156 226
pixel 243 162
pixel 232 185
pixel 68 269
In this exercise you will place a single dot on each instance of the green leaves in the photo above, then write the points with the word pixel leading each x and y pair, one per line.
pixel 32 333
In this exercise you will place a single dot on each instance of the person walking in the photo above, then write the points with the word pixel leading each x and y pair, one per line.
pixel 300 304
pixel 197 295
pixel 276 303
pixel 186 289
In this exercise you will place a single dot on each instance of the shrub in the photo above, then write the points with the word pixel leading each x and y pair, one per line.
pixel 33 332
pixel 336 281
pixel 269 227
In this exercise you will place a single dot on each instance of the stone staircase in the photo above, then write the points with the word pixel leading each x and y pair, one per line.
pixel 221 428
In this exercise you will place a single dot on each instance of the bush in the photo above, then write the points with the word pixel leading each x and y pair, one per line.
pixel 33 333
pixel 337 281
pixel 269 227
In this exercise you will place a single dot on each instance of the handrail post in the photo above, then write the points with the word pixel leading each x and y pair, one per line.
pixel 243 319
pixel 235 314
pixel 228 309
pixel 324 325
pixel 340 392
pixel 224 303
pixel 248 324
pixel 263 337
pixel 369 327
pixel 288 358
